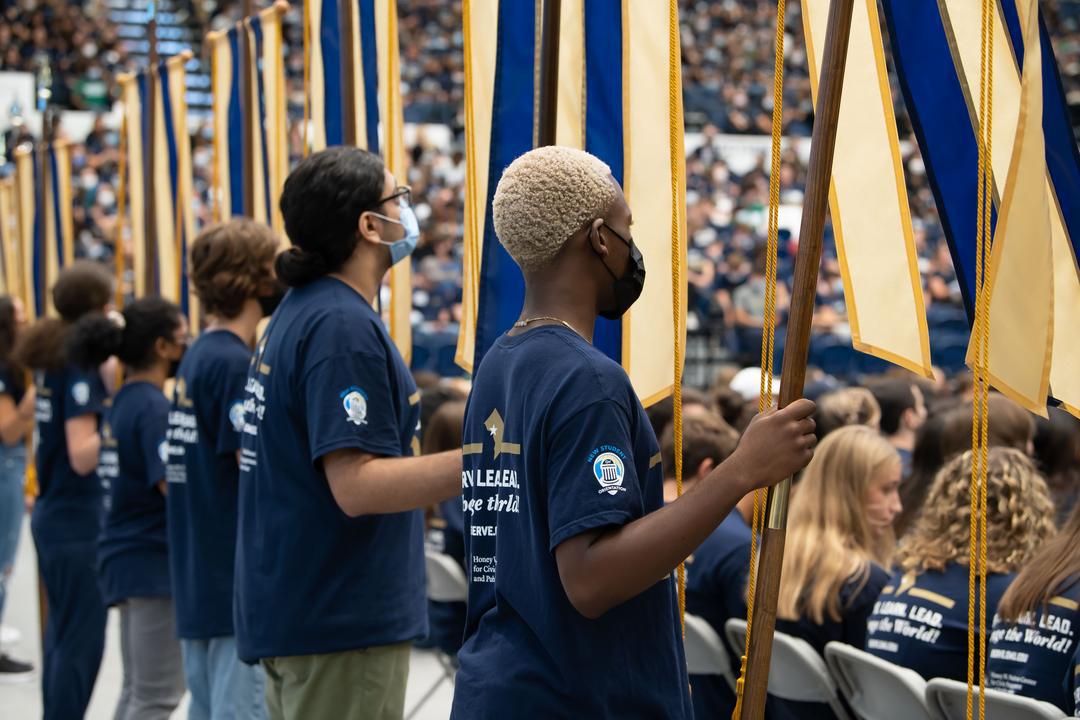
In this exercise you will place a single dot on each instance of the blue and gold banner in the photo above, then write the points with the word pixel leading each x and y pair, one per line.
pixel 1032 276
pixel 39 234
pixel 619 98
pixel 369 47
pixel 169 187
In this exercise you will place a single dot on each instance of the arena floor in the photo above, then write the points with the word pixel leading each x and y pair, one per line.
pixel 23 701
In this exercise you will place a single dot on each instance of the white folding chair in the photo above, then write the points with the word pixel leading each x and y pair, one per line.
pixel 445 583
pixel 874 688
pixel 947 700
pixel 797 672
pixel 705 651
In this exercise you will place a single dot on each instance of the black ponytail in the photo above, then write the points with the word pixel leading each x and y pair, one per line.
pixel 130 337
pixel 321 204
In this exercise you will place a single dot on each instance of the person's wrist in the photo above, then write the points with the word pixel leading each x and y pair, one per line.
pixel 743 473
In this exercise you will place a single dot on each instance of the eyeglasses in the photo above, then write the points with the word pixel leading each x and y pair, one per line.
pixel 400 191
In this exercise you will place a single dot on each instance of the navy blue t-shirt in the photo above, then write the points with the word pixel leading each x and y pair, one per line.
pixel 716 592
pixel 921 621
pixel 205 421
pixel 857 598
pixel 446 534
pixel 11 383
pixel 133 555
pixel 69 505
pixel 1072 682
pixel 556 444
pixel 310 579
pixel 1032 656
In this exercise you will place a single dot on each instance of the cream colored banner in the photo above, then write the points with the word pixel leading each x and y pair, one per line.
pixel 570 110
pixel 1021 271
pixel 481 36
pixel 874 241
pixel 275 122
pixel 393 149
pixel 24 198
pixel 9 232
pixel 132 109
pixel 316 132
pixel 183 207
pixel 652 129
pixel 221 61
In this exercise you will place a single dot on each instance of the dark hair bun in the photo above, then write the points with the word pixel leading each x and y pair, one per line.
pixel 94 339
pixel 295 267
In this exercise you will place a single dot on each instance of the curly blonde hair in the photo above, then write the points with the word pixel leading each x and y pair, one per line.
pixel 1020 515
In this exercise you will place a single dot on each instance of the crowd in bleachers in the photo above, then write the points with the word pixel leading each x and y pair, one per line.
pixel 727 56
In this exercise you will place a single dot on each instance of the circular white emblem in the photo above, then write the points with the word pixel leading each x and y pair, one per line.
pixel 236 415
pixel 355 405
pixel 609 471
pixel 80 392
pixel 163 452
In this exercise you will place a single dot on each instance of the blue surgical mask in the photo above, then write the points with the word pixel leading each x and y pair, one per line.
pixel 403 248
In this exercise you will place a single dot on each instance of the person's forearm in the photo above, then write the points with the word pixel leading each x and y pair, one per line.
pixel 623 562
pixel 83 454
pixel 391 485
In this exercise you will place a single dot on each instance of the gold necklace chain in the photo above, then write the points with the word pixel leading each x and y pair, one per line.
pixel 549 318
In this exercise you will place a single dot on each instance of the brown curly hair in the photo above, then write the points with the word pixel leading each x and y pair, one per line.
pixel 1020 515
pixel 230 263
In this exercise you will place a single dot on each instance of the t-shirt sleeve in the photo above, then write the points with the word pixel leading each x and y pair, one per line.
pixel 7 385
pixel 349 405
pixel 153 444
pixel 858 612
pixel 230 407
pixel 590 473
pixel 85 394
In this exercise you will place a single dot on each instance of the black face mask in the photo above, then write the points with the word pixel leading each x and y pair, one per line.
pixel 174 365
pixel 269 303
pixel 628 286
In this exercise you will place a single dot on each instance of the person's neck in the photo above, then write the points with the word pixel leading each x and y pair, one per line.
pixel 156 375
pixel 363 272
pixel 903 440
pixel 243 325
pixel 745 507
pixel 546 299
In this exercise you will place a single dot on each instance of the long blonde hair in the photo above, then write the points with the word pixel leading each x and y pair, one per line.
pixel 829 541
pixel 1020 515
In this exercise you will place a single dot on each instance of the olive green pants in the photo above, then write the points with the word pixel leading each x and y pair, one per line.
pixel 367 684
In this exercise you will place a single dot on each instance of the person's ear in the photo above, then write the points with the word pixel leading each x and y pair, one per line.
pixel 596 239
pixel 161 347
pixel 704 469
pixel 367 226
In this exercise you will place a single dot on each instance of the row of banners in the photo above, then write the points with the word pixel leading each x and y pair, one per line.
pixel 619 97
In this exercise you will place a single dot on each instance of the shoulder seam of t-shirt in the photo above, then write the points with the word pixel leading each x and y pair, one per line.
pixel 559 428
pixel 584 524
pixel 322 361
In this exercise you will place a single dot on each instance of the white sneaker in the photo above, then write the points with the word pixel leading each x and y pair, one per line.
pixel 9 636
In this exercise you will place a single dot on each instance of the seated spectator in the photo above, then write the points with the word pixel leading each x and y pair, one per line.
pixel 662 413
pixel 847 406
pixel 903 412
pixel 840 538
pixel 1057 453
pixel 1010 426
pixel 1036 625
pixel 921 619
pixel 445 522
pixel 716 572
pixel 927 460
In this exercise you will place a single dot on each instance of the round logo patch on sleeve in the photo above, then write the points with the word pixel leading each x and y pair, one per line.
pixel 80 392
pixel 609 470
pixel 354 401
pixel 236 415
pixel 163 452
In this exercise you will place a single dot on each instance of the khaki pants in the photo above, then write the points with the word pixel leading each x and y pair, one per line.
pixel 367 684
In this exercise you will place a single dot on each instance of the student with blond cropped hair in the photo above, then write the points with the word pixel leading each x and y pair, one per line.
pixel 572 609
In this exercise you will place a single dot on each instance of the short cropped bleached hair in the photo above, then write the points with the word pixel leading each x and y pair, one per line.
pixel 544 197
